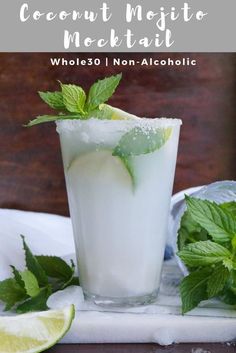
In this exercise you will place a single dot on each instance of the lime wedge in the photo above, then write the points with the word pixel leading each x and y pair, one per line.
pixel 34 332
pixel 118 114
pixel 108 112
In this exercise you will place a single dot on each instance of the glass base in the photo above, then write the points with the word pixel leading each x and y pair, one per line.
pixel 121 302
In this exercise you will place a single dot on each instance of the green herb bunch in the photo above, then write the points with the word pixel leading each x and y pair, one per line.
pixel 207 246
pixel 73 103
pixel 29 290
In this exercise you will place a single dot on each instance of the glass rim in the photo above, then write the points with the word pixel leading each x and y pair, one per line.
pixel 148 123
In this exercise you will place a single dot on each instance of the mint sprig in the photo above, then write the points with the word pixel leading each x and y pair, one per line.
pixel 101 91
pixel 207 246
pixel 29 290
pixel 73 103
pixel 218 221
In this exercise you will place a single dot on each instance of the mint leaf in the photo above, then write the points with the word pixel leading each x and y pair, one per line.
pixel 49 118
pixel 228 295
pixel 189 231
pixel 218 222
pixel 55 267
pixel 229 206
pixel 139 141
pixel 193 289
pixel 33 265
pixel 217 281
pixel 38 303
pixel 74 281
pixel 53 99
pixel 74 98
pixel 43 119
pixel 228 263
pixel 11 292
pixel 30 283
pixel 17 277
pixel 101 91
pixel 203 253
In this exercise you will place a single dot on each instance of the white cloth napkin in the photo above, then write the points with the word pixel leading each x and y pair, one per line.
pixel 45 234
pixel 161 322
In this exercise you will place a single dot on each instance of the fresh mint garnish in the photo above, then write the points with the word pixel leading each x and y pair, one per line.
pixel 72 103
pixel 74 98
pixel 207 246
pixel 29 290
pixel 49 118
pixel 54 100
pixel 101 91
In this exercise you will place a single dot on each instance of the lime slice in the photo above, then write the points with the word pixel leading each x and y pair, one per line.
pixel 118 114
pixel 108 112
pixel 96 172
pixel 34 332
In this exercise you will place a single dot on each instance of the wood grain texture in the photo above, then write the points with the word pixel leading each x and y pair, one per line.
pixel 143 348
pixel 31 174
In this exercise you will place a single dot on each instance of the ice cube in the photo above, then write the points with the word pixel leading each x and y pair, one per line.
pixel 70 295
pixel 163 336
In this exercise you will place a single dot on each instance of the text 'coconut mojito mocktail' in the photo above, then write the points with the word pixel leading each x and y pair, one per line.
pixel 119 172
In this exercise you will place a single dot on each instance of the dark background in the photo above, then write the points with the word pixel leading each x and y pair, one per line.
pixel 31 174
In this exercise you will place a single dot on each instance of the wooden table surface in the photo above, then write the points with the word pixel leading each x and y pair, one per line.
pixel 31 174
pixel 144 348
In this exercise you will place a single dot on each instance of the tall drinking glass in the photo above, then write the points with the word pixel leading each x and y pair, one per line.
pixel 119 176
